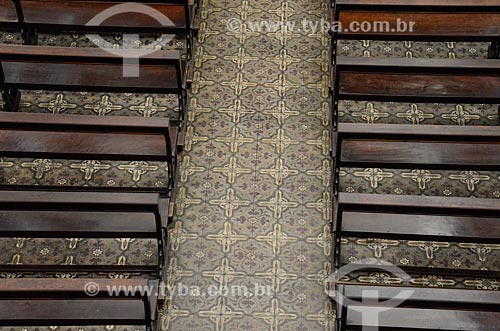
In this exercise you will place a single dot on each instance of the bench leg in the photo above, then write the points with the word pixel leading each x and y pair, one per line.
pixel 30 37
pixel 11 99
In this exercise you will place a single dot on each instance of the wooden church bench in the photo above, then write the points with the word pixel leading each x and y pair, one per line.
pixel 425 308
pixel 88 137
pixel 86 70
pixel 57 214
pixel 63 302
pixel 422 218
pixel 8 15
pixel 442 20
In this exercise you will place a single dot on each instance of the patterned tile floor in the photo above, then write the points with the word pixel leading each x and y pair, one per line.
pixel 253 204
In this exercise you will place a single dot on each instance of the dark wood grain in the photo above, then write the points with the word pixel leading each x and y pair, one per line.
pixel 423 3
pixel 451 131
pixel 7 12
pixel 62 285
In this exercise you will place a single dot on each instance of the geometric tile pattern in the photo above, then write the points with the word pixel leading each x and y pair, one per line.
pixel 253 203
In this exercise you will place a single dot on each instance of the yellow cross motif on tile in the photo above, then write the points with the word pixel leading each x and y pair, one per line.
pixel 281 85
pixel 58 105
pixel 5 164
pixel 483 283
pixel 229 202
pixel 278 204
pixel 276 239
pixel 241 59
pixel 227 237
pixel 422 177
pixel 174 273
pixel 178 236
pixel 205 32
pixel 283 60
pixel 379 278
pixel 206 9
pixel 232 170
pixel 238 84
pixel 324 172
pixel 103 106
pixel 280 141
pixel 191 138
pixel 137 169
pixel 322 35
pixel 125 243
pixel 370 114
pixel 482 250
pixel 199 82
pixel 460 116
pixel 323 86
pixel 196 109
pixel 148 107
pixel 276 275
pixel 284 12
pixel 41 166
pixel 186 168
pixel 236 111
pixel 471 178
pixel 170 314
pixel 323 113
pixel 373 175
pixel 220 314
pixel 324 240
pixel 224 274
pixel 279 172
pixel 322 276
pixel 16 259
pixel 182 201
pixel 323 61
pixel 73 242
pixel 243 10
pixel 275 316
pixel 323 142
pixel 429 247
pixel 281 113
pixel 235 140
pixel 201 56
pixel 414 115
pixel 90 167
pixel 243 33
pixel 325 317
pixel 377 245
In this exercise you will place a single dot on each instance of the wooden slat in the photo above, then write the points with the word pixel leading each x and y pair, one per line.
pixel 77 14
pixel 53 285
pixel 425 23
pixel 48 224
pixel 81 54
pixel 65 311
pixel 419 130
pixel 424 319
pixel 82 77
pixel 83 144
pixel 469 228
pixel 436 295
pixel 78 198
pixel 7 13
pixel 423 3
pixel 418 85
pixel 404 201
pixel 420 153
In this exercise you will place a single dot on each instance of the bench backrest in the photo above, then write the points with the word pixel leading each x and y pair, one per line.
pixel 445 20
pixel 46 302
pixel 425 309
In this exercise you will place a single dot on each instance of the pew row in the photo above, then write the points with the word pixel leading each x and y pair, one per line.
pixel 64 302
pixel 75 69
pixel 412 308
pixel 105 153
pixel 84 215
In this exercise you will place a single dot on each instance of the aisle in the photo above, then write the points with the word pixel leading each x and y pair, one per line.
pixel 253 205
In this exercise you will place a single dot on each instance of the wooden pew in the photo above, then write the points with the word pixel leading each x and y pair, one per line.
pixel 87 69
pixel 441 20
pixel 424 308
pixel 87 137
pixel 64 302
pixel 8 15
pixel 163 17
pixel 424 218
pixel 56 214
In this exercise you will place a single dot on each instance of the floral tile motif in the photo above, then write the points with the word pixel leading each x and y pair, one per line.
pixel 447 183
pixel 75 328
pixel 413 49
pixel 376 112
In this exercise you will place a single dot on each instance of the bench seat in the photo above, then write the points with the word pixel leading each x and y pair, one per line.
pixel 82 231
pixel 63 302
pixel 425 309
